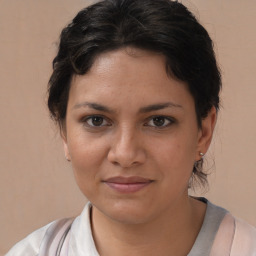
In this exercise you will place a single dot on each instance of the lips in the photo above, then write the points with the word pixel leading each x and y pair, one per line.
pixel 127 184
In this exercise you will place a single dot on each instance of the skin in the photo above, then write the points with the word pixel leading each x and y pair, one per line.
pixel 127 119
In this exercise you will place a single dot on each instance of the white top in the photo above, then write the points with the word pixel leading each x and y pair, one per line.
pixel 220 235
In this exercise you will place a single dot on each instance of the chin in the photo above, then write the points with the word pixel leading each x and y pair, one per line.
pixel 126 212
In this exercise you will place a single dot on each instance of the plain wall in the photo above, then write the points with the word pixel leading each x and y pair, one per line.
pixel 37 185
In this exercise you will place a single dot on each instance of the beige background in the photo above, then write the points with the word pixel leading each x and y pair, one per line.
pixel 36 183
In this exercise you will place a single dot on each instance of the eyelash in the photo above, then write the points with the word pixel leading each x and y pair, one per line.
pixel 107 122
pixel 86 120
pixel 166 118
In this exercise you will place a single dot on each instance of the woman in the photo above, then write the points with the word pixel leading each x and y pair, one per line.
pixel 135 91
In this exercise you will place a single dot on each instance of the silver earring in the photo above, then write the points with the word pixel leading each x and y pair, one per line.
pixel 201 154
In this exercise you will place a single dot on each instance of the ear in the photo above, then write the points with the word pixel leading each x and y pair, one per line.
pixel 206 133
pixel 65 144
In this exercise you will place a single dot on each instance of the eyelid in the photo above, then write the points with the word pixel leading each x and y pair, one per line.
pixel 170 119
pixel 85 119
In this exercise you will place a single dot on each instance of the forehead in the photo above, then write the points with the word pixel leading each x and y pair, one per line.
pixel 129 60
pixel 130 75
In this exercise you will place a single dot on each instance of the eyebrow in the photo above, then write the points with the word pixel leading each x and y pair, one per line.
pixel 159 106
pixel 95 106
pixel 146 109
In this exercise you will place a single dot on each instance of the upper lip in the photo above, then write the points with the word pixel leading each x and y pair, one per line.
pixel 127 180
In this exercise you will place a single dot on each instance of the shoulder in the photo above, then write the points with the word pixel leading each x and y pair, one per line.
pixel 29 245
pixel 48 237
pixel 235 237
pixel 244 239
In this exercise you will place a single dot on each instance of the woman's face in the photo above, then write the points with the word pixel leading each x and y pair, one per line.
pixel 132 135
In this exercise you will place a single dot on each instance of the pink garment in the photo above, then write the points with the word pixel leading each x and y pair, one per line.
pixel 234 238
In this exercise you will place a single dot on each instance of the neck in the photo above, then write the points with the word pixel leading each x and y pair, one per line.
pixel 172 233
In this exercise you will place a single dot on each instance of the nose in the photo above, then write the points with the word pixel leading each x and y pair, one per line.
pixel 126 149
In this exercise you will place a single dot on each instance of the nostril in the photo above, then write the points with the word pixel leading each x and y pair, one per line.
pixel 115 163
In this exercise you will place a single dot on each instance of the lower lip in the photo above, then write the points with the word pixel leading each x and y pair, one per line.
pixel 127 187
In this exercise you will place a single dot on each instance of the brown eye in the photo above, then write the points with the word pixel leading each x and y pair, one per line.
pixel 159 121
pixel 96 121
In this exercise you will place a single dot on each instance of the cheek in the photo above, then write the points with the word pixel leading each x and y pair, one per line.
pixel 83 148
pixel 177 150
pixel 176 157
pixel 87 156
pixel 86 165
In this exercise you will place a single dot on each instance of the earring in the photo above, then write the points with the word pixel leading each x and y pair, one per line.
pixel 201 154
